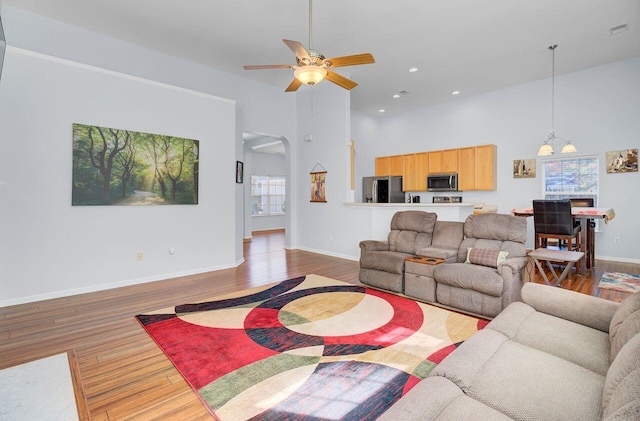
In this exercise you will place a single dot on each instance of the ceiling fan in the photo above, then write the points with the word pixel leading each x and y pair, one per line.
pixel 312 67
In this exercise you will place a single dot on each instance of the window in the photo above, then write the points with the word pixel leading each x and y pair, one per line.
pixel 567 178
pixel 267 195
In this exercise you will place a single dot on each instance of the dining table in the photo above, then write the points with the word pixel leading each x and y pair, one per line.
pixel 587 230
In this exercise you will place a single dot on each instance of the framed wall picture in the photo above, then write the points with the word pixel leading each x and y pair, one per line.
pixel 119 167
pixel 318 185
pixel 524 168
pixel 239 172
pixel 622 161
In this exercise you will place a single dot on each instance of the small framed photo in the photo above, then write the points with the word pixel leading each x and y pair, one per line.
pixel 622 161
pixel 239 172
pixel 524 168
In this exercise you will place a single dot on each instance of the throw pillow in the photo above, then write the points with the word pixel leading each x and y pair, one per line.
pixel 486 257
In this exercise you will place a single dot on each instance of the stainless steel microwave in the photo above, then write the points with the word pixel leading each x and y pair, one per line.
pixel 442 182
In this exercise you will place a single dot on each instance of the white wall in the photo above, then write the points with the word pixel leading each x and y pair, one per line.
pixel 598 109
pixel 324 111
pixel 259 108
pixel 52 248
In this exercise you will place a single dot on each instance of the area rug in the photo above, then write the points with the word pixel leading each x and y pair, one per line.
pixel 308 348
pixel 620 282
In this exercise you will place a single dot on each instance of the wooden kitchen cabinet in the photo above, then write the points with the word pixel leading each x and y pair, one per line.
pixel 409 172
pixel 395 165
pixel 435 162
pixel 486 162
pixel 389 165
pixel 382 166
pixel 477 168
pixel 450 161
pixel 466 169
pixel 422 170
pixel 443 162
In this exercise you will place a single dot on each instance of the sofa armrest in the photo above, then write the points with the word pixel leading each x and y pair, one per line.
pixel 514 265
pixel 570 305
pixel 373 245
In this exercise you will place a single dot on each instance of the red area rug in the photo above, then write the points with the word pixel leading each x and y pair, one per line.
pixel 306 349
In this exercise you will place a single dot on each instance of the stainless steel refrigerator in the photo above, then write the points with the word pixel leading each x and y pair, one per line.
pixel 382 189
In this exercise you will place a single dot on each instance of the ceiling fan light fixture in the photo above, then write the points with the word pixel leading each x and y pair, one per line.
pixel 310 75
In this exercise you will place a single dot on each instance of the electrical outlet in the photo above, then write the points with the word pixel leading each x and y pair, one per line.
pixel 330 237
pixel 139 256
pixel 616 240
pixel 172 251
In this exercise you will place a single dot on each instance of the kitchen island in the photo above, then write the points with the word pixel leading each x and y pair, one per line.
pixel 372 220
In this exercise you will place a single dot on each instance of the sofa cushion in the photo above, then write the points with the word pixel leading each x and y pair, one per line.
pixel 411 231
pixel 496 227
pixel 494 231
pixel 385 261
pixel 486 257
pixel 528 384
pixel 446 254
pixel 478 278
pixel 579 344
pixel 438 398
pixel 625 323
pixel 621 397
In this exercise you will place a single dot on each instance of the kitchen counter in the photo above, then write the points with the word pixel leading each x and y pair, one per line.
pixel 372 220
pixel 413 205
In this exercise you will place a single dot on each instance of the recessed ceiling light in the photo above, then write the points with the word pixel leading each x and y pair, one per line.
pixel 382 110
pixel 413 69
pixel 455 93
pixel 396 96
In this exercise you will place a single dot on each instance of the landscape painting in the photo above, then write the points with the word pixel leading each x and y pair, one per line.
pixel 622 161
pixel 123 167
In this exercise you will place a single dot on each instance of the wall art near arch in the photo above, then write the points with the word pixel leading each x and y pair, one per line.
pixel 622 161
pixel 524 168
pixel 123 167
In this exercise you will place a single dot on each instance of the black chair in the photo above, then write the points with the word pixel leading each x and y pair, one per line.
pixel 552 219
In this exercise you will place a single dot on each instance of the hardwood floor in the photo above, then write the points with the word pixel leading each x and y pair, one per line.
pixel 124 373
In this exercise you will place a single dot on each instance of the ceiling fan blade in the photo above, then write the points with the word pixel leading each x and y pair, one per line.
pixel 340 80
pixel 356 59
pixel 298 49
pixel 268 66
pixel 293 86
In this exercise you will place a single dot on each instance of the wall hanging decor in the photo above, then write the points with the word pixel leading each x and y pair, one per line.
pixel 123 167
pixel 622 161
pixel 239 172
pixel 318 184
pixel 524 168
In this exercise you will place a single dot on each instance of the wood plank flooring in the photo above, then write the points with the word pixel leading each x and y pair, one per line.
pixel 124 374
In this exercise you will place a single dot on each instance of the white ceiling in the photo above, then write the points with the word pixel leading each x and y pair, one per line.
pixel 467 45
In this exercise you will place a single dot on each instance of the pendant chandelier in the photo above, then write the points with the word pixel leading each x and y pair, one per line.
pixel 547 147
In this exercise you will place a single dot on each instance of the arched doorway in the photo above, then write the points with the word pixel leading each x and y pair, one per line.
pixel 266 153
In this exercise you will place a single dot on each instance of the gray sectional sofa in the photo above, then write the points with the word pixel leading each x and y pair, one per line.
pixel 557 355
pixel 472 281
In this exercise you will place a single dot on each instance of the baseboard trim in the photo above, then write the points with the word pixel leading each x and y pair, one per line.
pixel 618 259
pixel 103 287
pixel 326 253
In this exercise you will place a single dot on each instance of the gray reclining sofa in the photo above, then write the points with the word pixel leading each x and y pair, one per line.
pixel 557 355
pixel 484 258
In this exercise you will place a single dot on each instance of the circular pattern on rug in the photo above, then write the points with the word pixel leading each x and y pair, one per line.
pixel 291 321
pixel 332 314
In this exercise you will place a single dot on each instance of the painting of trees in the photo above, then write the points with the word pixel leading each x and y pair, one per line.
pixel 123 167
